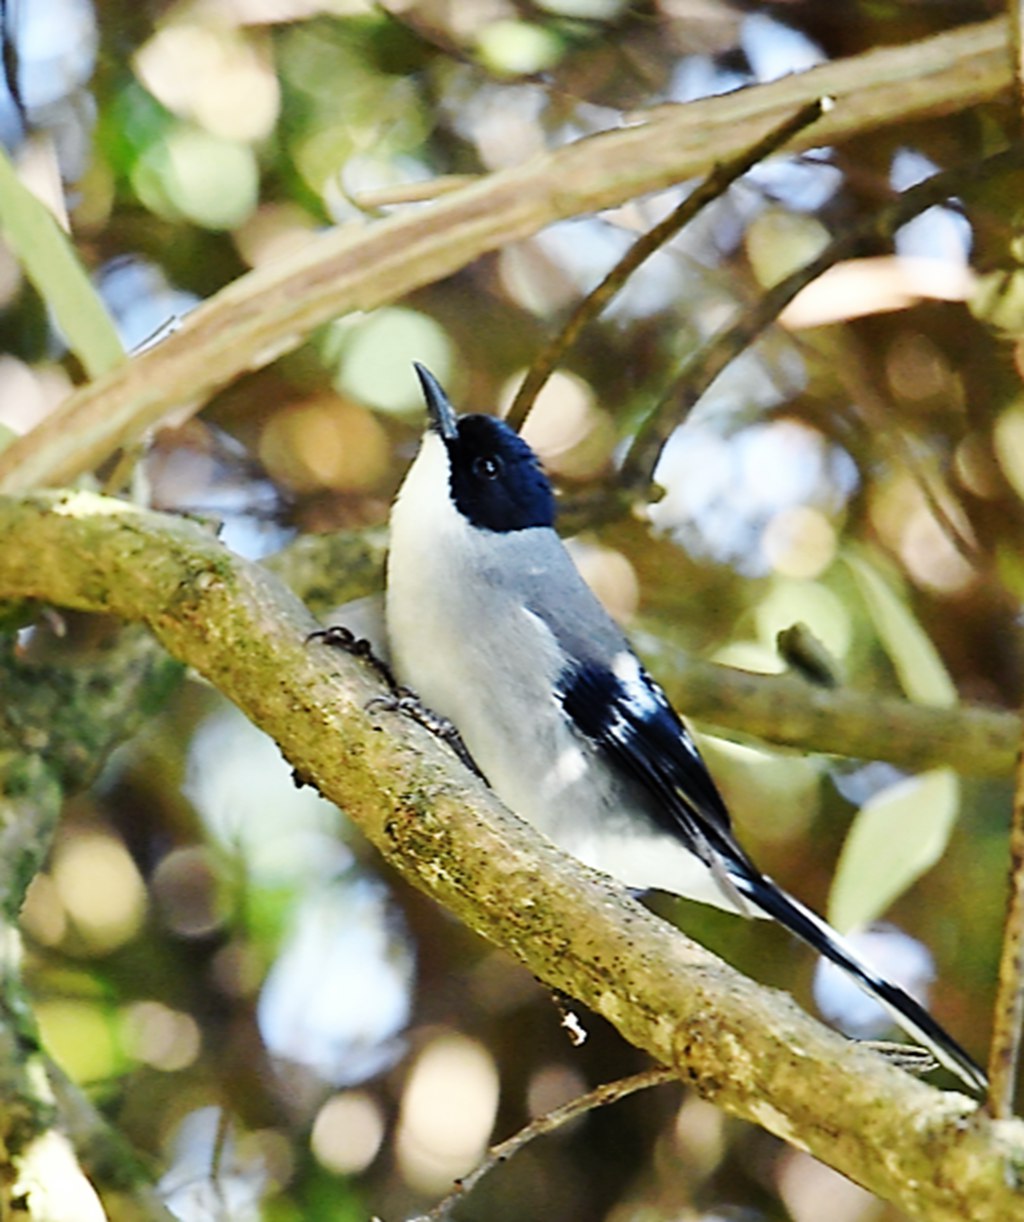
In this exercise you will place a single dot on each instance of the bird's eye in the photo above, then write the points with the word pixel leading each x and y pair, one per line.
pixel 486 466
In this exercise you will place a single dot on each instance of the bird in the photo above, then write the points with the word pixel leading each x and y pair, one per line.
pixel 491 625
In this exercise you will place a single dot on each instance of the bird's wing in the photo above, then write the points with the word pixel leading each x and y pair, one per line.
pixel 624 713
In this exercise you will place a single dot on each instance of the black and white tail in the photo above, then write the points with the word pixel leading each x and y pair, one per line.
pixel 905 1011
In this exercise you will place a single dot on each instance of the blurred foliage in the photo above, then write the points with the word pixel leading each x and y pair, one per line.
pixel 860 470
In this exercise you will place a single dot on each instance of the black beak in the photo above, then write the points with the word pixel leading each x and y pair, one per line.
pixel 442 415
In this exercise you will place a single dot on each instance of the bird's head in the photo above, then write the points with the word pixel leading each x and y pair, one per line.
pixel 495 480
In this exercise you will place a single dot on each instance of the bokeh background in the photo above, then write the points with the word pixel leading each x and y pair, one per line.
pixel 275 1021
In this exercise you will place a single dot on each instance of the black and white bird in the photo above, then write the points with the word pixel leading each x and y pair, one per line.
pixel 491 625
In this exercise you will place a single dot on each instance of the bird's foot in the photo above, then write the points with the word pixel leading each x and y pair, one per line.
pixel 402 700
pixel 910 1057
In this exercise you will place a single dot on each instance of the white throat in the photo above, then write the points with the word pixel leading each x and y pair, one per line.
pixel 426 533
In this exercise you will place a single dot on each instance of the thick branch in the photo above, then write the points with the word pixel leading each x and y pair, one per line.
pixel 748 1049
pixel 270 311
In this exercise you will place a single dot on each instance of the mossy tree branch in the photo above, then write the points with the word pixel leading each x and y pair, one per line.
pixel 360 267
pixel 748 1049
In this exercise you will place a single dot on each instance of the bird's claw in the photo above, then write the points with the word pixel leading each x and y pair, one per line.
pixel 402 700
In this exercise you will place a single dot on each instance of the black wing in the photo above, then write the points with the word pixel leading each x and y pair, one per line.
pixel 628 718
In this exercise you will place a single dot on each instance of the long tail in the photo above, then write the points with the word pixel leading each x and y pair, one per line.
pixel 905 1011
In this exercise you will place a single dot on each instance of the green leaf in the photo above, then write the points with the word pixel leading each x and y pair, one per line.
pixel 49 261
pixel 921 671
pixel 896 836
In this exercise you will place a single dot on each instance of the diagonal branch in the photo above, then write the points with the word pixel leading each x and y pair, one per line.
pixel 698 370
pixel 550 1122
pixel 748 1049
pixel 713 187
pixel 359 267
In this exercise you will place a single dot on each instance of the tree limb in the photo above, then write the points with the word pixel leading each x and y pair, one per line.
pixel 745 1048
pixel 791 712
pixel 111 1164
pixel 359 267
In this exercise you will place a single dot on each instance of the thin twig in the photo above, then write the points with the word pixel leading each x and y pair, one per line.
pixel 789 712
pixel 724 174
pixel 1009 1009
pixel 883 423
pixel 1015 10
pixel 329 570
pixel 411 192
pixel 601 1096
pixel 698 370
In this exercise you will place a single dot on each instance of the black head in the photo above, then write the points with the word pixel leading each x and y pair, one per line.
pixel 496 480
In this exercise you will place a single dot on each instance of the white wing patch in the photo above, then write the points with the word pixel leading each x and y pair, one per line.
pixel 643 698
pixel 637 693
